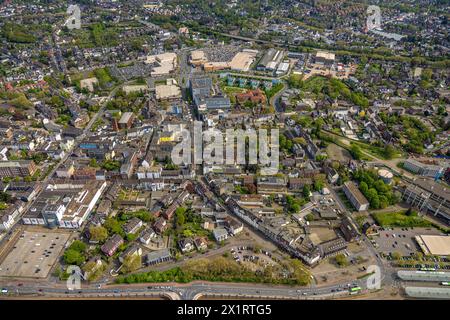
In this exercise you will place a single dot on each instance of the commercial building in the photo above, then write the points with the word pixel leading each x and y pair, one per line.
pixel 355 196
pixel 434 245
pixel 198 58
pixel 215 66
pixel 200 88
pixel 164 63
pixel 65 205
pixel 423 169
pixel 429 197
pixel 242 61
pixel 19 168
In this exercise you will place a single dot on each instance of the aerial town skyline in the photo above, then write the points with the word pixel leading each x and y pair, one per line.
pixel 218 150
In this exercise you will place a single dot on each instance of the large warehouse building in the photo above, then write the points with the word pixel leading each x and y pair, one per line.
pixel 434 245
pixel 271 60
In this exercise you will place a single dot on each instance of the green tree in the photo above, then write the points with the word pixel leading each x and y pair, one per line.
pixel 74 257
pixel 99 233
pixel 180 216
pixel 306 191
pixel 131 263
pixel 341 260
pixel 396 255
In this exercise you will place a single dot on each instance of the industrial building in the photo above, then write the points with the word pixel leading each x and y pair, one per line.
pixel 271 60
pixel 429 197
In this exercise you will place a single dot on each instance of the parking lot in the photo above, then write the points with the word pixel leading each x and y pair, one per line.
pixel 401 240
pixel 33 255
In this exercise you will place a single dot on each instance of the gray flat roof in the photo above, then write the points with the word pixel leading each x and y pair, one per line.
pixel 434 276
pixel 434 187
pixel 431 293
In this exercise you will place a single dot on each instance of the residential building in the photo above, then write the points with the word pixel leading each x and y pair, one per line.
pixel 220 234
pixel 132 226
pixel 355 196
pixel 111 245
pixel 186 245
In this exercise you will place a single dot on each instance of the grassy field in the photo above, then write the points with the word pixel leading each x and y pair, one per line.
pixel 338 153
pixel 400 219
pixel 376 151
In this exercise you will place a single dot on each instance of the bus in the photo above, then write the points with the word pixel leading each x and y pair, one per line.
pixel 355 290
pixel 445 283
pixel 428 269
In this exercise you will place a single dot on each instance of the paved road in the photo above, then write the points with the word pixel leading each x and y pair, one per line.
pixel 186 291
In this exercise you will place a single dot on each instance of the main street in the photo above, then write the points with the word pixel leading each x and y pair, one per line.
pixel 190 291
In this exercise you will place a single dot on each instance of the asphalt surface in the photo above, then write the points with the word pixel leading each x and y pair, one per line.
pixel 186 292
